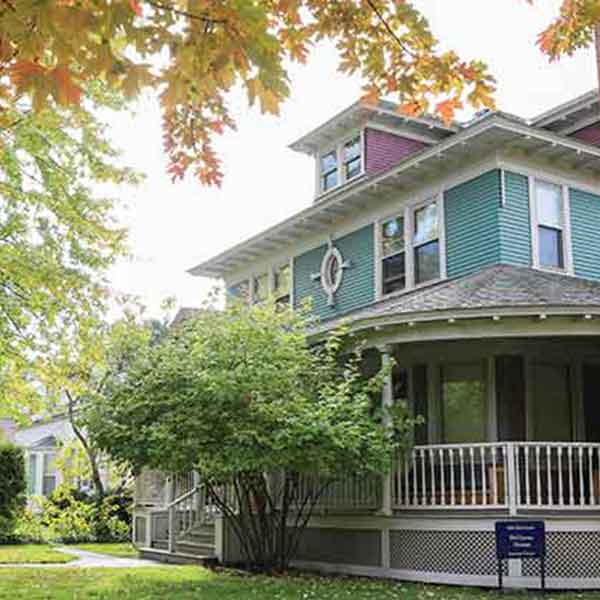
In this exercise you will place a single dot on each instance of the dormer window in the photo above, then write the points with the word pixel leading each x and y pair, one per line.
pixel 341 164
pixel 329 171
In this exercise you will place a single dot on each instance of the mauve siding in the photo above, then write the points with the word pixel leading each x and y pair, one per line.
pixel 590 135
pixel 383 149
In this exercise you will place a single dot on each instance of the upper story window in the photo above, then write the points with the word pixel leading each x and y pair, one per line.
pixel 282 284
pixel 341 164
pixel 550 224
pixel 426 243
pixel 260 287
pixel 393 255
pixel 410 254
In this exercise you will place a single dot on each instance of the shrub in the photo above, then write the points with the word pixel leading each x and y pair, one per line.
pixel 12 489
pixel 70 516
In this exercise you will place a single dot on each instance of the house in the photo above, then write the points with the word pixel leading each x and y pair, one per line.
pixel 42 441
pixel 470 253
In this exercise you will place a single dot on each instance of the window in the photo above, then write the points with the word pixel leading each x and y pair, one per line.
pixel 282 284
pixel 260 288
pixel 393 255
pixel 549 206
pixel 352 158
pixel 426 244
pixel 463 403
pixel 241 291
pixel 32 474
pixel 341 164
pixel 329 171
pixel 49 479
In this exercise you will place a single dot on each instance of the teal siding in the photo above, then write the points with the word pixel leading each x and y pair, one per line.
pixel 472 224
pixel 585 225
pixel 514 222
pixel 357 287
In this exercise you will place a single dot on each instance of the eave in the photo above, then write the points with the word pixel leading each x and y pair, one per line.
pixel 571 116
pixel 494 132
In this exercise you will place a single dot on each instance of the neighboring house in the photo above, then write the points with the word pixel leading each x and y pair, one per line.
pixel 470 253
pixel 42 442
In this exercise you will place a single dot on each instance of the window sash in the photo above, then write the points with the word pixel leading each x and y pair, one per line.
pixel 549 204
pixel 559 263
pixel 388 284
pixel 418 269
pixel 431 208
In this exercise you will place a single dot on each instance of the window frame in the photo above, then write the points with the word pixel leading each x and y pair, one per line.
pixel 269 270
pixel 407 212
pixel 565 200
pixel 338 148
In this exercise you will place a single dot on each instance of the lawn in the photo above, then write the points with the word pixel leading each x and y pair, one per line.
pixel 32 553
pixel 185 583
pixel 120 550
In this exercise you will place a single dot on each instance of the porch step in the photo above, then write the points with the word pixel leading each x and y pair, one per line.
pixel 177 558
pixel 192 548
pixel 160 544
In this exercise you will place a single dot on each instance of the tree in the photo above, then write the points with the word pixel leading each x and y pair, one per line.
pixel 78 369
pixel 243 397
pixel 57 234
pixel 12 489
pixel 193 52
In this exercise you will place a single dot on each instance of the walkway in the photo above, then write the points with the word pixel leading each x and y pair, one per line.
pixel 86 560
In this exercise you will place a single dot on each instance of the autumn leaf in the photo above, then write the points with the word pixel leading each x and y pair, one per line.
pixel 136 7
pixel 66 91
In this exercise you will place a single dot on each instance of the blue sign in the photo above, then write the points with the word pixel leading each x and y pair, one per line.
pixel 520 539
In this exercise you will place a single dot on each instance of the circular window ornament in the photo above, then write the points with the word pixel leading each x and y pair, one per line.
pixel 331 272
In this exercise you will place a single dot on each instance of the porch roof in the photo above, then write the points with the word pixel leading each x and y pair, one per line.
pixel 499 289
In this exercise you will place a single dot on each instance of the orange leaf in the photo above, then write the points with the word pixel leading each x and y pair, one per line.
pixel 136 7
pixel 411 109
pixel 67 92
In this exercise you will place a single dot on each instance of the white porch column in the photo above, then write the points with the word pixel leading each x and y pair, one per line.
pixel 387 401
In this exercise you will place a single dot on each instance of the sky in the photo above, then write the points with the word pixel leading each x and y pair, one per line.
pixel 176 226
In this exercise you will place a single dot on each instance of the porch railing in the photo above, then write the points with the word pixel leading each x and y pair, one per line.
pixel 506 476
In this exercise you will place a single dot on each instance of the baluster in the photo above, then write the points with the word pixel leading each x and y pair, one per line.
pixel 561 499
pixel 406 481
pixel 538 475
pixel 516 466
pixel 494 475
pixel 527 484
pixel 473 482
pixel 432 470
pixel 423 478
pixel 581 492
pixel 483 477
pixel 442 478
pixel 463 492
pixel 415 484
pixel 549 475
pixel 452 487
pixel 571 486
pixel 591 475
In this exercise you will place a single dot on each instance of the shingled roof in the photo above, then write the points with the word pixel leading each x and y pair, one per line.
pixel 496 287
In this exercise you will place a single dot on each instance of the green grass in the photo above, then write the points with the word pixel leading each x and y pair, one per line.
pixel 32 553
pixel 185 583
pixel 120 550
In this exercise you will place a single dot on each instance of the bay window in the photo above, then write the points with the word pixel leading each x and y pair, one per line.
pixel 550 225
pixel 426 244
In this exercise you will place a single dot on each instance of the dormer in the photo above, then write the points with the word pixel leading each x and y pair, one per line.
pixel 365 140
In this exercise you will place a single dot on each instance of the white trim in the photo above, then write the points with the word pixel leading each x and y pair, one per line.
pixel 409 135
pixel 502 188
pixel 565 230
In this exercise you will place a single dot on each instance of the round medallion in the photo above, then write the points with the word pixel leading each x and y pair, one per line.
pixel 332 271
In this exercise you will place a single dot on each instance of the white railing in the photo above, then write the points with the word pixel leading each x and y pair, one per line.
pixel 185 513
pixel 347 494
pixel 506 476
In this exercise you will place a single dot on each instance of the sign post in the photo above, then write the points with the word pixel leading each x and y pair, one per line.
pixel 521 539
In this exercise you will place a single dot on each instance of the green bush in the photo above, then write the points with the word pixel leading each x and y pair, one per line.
pixel 12 490
pixel 69 516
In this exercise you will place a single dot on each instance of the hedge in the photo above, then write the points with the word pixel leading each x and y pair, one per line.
pixel 12 489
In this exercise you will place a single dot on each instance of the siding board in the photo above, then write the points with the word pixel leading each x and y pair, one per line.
pixel 585 225
pixel 472 224
pixel 357 288
pixel 514 222
pixel 384 150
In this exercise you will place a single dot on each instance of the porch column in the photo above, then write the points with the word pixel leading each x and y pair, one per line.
pixel 387 401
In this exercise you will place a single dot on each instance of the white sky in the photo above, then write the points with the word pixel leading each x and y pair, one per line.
pixel 175 226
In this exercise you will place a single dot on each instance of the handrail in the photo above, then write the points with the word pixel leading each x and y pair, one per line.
pixel 185 496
